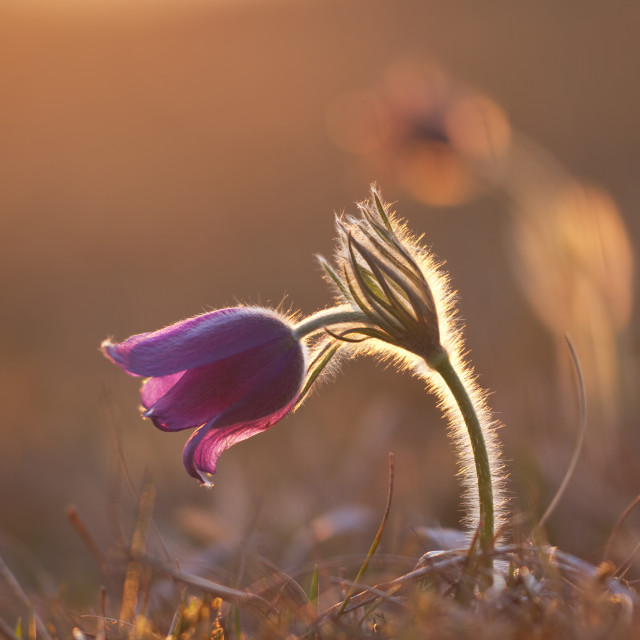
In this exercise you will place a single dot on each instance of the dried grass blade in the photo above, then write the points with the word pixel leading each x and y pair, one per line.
pixel 579 443
pixel 619 523
pixel 79 525
pixel 250 600
pixel 625 567
pixel 124 470
pixel 14 585
pixel 102 606
pixel 134 575
pixel 376 540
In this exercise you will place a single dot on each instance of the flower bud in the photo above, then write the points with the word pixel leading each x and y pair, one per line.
pixel 381 273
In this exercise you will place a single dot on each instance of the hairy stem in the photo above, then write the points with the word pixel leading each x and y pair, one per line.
pixel 440 363
pixel 478 445
pixel 328 317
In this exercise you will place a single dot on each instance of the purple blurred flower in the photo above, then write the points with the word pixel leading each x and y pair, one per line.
pixel 231 373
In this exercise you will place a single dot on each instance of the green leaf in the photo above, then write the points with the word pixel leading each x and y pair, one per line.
pixel 382 213
pixel 313 588
pixel 321 361
pixel 334 276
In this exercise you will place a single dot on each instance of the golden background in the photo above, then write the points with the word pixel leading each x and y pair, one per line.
pixel 160 159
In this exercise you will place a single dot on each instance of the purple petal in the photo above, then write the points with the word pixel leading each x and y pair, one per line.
pixel 253 384
pixel 154 388
pixel 207 443
pixel 197 341
pixel 278 389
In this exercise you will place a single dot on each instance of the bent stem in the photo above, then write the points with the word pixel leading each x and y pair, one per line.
pixel 478 445
pixel 441 363
pixel 320 320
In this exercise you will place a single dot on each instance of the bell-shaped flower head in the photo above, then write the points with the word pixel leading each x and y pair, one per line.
pixel 230 373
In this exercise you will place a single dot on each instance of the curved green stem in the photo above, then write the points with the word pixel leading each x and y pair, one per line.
pixel 442 365
pixel 327 317
pixel 480 454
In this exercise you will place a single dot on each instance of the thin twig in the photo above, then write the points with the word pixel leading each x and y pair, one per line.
pixel 621 519
pixel 22 596
pixel 571 566
pixel 124 469
pixel 444 560
pixel 177 616
pixel 102 606
pixel 134 574
pixel 88 539
pixel 582 397
pixel 120 623
pixel 208 586
pixel 374 591
pixel 386 596
pixel 625 567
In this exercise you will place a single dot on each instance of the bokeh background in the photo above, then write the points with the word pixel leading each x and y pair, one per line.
pixel 159 159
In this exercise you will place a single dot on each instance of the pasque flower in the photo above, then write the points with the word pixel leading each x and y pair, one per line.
pixel 230 373
pixel 407 311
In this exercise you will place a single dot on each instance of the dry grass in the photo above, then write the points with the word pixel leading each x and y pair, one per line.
pixel 538 591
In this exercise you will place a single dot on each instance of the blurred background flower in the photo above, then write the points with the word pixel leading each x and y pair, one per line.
pixel 420 129
pixel 445 144
pixel 164 158
pixel 574 261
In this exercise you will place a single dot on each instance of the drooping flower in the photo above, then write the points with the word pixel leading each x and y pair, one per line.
pixel 230 374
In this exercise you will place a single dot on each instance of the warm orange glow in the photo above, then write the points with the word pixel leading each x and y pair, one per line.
pixel 357 122
pixel 576 254
pixel 435 174
pixel 478 127
pixel 419 128
pixel 598 244
pixel 161 158
pixel 575 261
